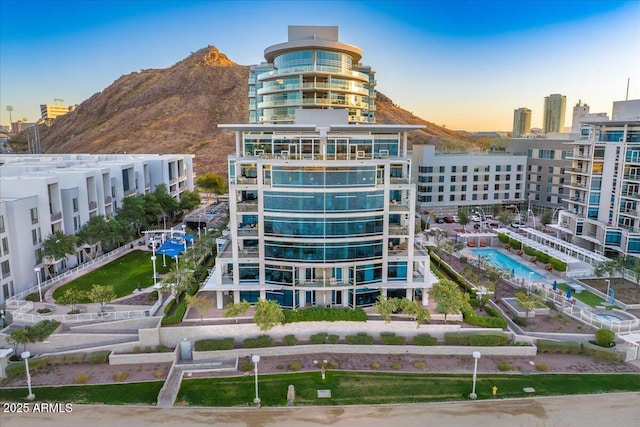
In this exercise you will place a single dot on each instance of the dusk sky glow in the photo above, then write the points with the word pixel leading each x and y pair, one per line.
pixel 463 64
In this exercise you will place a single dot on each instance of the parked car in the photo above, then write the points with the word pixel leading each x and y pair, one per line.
pixel 456 218
pixel 449 219
pixel 439 220
pixel 475 218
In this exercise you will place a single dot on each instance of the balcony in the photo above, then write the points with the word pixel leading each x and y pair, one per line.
pixel 247 207
pixel 130 192
pixel 56 216
pixel 107 200
pixel 93 206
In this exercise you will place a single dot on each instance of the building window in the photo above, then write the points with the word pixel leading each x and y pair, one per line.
pixel 463 188
pixel 441 189
pixel 465 168
pixel 496 187
pixel 34 236
pixel 463 197
pixel 550 169
pixel 498 167
pixel 452 188
pixel 440 198
pixel 453 179
pixel 519 168
pixel 5 245
pixel 441 178
pixel 75 204
pixel 34 215
pixel 496 196
pixel 474 196
pixel 6 270
pixel 1 224
pixel 452 198
pixel 486 178
pixel 38 254
pixel 453 169
pixel 497 177
pixel 485 197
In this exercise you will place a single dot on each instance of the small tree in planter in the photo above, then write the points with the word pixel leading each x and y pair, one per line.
pixel 102 295
pixel 236 309
pixel 72 297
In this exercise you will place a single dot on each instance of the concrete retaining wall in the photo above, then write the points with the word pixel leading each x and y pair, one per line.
pixel 142 358
pixel 172 336
pixel 127 324
pixel 439 350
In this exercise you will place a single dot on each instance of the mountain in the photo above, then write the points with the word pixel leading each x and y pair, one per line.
pixel 177 109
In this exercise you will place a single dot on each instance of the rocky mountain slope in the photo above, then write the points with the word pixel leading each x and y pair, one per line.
pixel 177 109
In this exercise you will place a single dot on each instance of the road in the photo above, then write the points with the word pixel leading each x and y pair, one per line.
pixel 584 411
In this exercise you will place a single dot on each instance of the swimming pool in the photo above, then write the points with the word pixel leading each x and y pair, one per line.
pixel 502 261
pixel 609 317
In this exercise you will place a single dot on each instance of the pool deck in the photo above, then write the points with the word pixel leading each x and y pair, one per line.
pixel 548 276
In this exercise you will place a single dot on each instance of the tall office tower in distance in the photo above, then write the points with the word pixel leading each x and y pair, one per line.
pixel 312 70
pixel 554 109
pixel 580 110
pixel 521 122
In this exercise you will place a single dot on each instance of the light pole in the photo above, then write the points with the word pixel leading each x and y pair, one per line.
pixel 533 217
pixel 476 356
pixel 255 359
pixel 25 355
pixel 608 289
pixel 37 271
pixel 153 260
pixel 484 217
pixel 517 210
pixel 184 237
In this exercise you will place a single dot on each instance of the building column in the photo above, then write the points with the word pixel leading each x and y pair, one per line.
pixel 383 292
pixel 263 294
pixel 236 297
pixel 425 297
pixel 345 298
pixel 219 300
pixel 302 298
pixel 409 293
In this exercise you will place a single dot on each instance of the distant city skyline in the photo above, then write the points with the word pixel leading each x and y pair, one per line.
pixel 463 64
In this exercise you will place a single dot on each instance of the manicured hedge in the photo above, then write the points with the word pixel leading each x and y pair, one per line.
pixel 360 339
pixel 329 314
pixel 290 340
pixel 45 362
pixel 324 338
pixel 177 315
pixel 476 339
pixel 598 352
pixel 424 340
pixel 390 338
pixel 514 244
pixel 503 237
pixel 472 318
pixel 214 344
pixel 259 342
pixel 558 265
pixel 550 346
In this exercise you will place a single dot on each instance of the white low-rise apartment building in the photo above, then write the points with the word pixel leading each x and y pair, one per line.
pixel 42 194
pixel 449 181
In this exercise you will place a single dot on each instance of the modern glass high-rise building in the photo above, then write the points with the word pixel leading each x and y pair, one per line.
pixel 322 212
pixel 521 122
pixel 312 70
pixel 555 106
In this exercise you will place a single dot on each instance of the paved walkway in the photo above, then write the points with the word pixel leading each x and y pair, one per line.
pixel 587 410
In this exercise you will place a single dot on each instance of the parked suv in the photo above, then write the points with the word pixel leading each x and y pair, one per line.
pixel 449 219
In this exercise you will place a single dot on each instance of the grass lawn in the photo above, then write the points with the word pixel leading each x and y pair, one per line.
pixel 108 394
pixel 347 388
pixel 122 274
pixel 585 296
pixel 355 388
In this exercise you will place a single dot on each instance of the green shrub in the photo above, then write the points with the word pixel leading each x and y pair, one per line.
pixel 169 307
pixel 515 244
pixel 476 339
pixel 152 296
pixel 396 365
pixel 530 251
pixel 486 322
pixel 259 342
pixel 334 365
pixel 375 365
pixel 38 363
pixel 214 344
pixel 290 340
pixel 360 339
pixel 504 366
pixel 420 365
pixel 598 352
pixel 424 339
pixel 97 357
pixel 520 321
pixel 542 367
pixel 558 265
pixel 550 346
pixel 294 366
pixel 333 339
pixel 58 359
pixel 246 366
pixel 319 338
pixel 605 337
pixel 503 237
pixel 542 257
pixel 163 349
pixel 390 338
pixel 16 370
pixel 177 315
pixel 329 314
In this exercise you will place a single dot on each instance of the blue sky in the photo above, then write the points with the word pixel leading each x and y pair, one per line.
pixel 463 64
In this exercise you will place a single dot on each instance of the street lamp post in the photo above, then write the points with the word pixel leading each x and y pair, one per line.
pixel 476 356
pixel 25 356
pixel 518 211
pixel 608 289
pixel 153 260
pixel 255 359
pixel 37 271
pixel 484 217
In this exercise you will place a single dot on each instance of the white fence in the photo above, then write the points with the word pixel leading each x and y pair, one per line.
pixel 585 315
